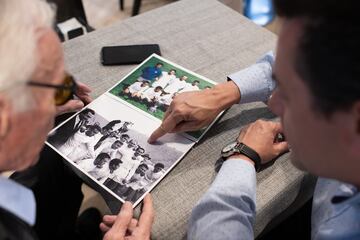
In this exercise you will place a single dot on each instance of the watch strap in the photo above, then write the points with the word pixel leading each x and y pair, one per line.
pixel 250 153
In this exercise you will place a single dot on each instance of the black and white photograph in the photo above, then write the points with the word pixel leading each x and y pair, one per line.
pixel 108 142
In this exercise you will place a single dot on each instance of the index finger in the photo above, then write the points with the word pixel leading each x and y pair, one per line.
pixel 147 215
pixel 167 125
pixel 123 219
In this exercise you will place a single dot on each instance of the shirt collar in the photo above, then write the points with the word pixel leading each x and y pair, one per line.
pixel 18 200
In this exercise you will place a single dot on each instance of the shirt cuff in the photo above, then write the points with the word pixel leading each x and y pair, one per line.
pixel 238 177
pixel 255 82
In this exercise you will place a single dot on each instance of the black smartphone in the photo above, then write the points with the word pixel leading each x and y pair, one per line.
pixel 132 54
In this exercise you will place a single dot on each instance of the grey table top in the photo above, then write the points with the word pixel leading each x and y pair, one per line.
pixel 210 39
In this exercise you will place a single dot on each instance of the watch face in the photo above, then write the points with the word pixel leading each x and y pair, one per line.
pixel 229 147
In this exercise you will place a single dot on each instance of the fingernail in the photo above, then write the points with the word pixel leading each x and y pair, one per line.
pixel 79 104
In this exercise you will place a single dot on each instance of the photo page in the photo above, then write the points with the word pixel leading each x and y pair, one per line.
pixel 107 140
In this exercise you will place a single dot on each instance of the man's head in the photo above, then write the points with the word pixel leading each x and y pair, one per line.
pixel 86 114
pixel 140 150
pixel 145 84
pixel 158 167
pixel 172 72
pixel 131 143
pixel 101 159
pixel 159 65
pixel 92 130
pixel 30 50
pixel 195 83
pixel 158 89
pixel 142 168
pixel 318 94
pixel 124 138
pixel 117 144
pixel 114 164
pixel 183 78
pixel 146 157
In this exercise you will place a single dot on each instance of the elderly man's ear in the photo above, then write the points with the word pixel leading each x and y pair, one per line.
pixel 4 116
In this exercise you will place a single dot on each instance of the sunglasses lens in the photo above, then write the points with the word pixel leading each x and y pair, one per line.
pixel 63 95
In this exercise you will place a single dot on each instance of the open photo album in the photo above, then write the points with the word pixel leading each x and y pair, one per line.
pixel 107 140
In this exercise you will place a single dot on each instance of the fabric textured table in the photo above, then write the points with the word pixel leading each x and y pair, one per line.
pixel 212 40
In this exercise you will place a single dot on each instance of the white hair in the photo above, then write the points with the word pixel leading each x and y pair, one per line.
pixel 20 22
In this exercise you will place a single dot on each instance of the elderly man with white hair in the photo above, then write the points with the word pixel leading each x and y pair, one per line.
pixel 31 73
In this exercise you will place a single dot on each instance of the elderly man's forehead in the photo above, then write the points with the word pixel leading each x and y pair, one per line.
pixel 50 53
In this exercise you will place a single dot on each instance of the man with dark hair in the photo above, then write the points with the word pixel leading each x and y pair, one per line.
pixel 83 119
pixel 165 78
pixel 151 74
pixel 81 144
pixel 317 96
pixel 151 94
pixel 89 164
pixel 136 89
pixel 106 132
pixel 176 84
pixel 155 173
pixel 191 87
pixel 135 186
pixel 124 138
pixel 113 149
pixel 103 172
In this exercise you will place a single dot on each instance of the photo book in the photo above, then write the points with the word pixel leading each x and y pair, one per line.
pixel 107 140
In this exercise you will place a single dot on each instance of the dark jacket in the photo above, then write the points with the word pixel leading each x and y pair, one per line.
pixel 13 228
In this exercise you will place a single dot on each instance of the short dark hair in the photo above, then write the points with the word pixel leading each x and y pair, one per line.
pixel 95 126
pixel 115 161
pixel 159 165
pixel 111 124
pixel 143 165
pixel 124 135
pixel 87 110
pixel 118 141
pixel 103 155
pixel 327 58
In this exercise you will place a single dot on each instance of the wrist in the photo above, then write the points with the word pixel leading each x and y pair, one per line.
pixel 241 157
pixel 227 94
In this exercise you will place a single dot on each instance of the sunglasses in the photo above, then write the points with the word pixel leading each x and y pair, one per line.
pixel 64 92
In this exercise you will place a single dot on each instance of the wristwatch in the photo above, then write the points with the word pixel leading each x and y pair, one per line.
pixel 236 148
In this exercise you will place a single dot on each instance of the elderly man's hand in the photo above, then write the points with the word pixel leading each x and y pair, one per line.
pixel 124 226
pixel 191 111
pixel 261 136
pixel 82 92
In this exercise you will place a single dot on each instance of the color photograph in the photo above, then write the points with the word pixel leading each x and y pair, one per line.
pixel 154 84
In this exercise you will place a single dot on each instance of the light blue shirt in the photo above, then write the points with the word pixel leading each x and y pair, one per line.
pixel 255 82
pixel 17 200
pixel 227 210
